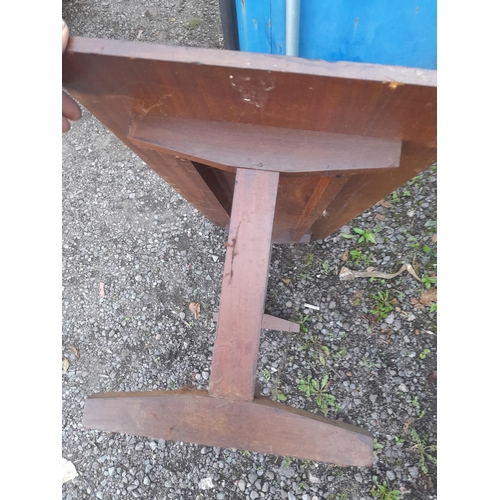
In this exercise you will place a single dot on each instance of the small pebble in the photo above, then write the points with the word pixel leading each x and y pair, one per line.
pixel 413 472
pixel 314 479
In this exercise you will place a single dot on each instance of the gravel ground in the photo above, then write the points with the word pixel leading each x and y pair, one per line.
pixel 128 234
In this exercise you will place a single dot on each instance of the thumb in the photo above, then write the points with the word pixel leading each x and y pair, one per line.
pixel 65 36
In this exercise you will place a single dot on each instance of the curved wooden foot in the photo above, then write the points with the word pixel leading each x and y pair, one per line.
pixel 262 426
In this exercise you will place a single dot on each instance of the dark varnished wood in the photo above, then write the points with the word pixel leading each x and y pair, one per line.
pixel 229 144
pixel 189 181
pixel 244 285
pixel 262 426
pixel 326 190
pixel 116 80
pixel 360 192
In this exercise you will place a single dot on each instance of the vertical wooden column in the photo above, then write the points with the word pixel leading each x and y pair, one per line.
pixel 244 285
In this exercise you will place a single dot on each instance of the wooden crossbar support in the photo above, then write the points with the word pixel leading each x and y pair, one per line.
pixel 272 323
pixel 262 426
pixel 257 147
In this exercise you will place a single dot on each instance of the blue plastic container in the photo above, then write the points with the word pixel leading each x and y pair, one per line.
pixel 397 32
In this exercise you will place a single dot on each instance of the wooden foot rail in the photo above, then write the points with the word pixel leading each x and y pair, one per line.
pixel 262 426
pixel 228 415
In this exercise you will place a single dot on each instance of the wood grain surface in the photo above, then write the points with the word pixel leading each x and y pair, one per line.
pixel 228 145
pixel 244 285
pixel 262 426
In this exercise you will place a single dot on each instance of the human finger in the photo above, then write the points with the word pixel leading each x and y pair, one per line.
pixel 70 108
pixel 65 125
pixel 65 36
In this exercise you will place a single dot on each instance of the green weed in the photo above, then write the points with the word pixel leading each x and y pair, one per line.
pixel 428 282
pixel 382 492
pixel 194 23
pixel 309 259
pixel 431 226
pixel 342 352
pixel 358 256
pixel 343 495
pixel 424 353
pixel 423 451
pixel 316 388
pixel 302 320
pixel 369 364
pixel 314 343
pixel 398 440
pixel 278 394
pixel 375 280
pixel 415 243
pixel 415 179
pixel 365 236
pixel 383 305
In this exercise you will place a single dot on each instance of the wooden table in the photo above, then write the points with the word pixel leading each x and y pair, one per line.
pixel 279 150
